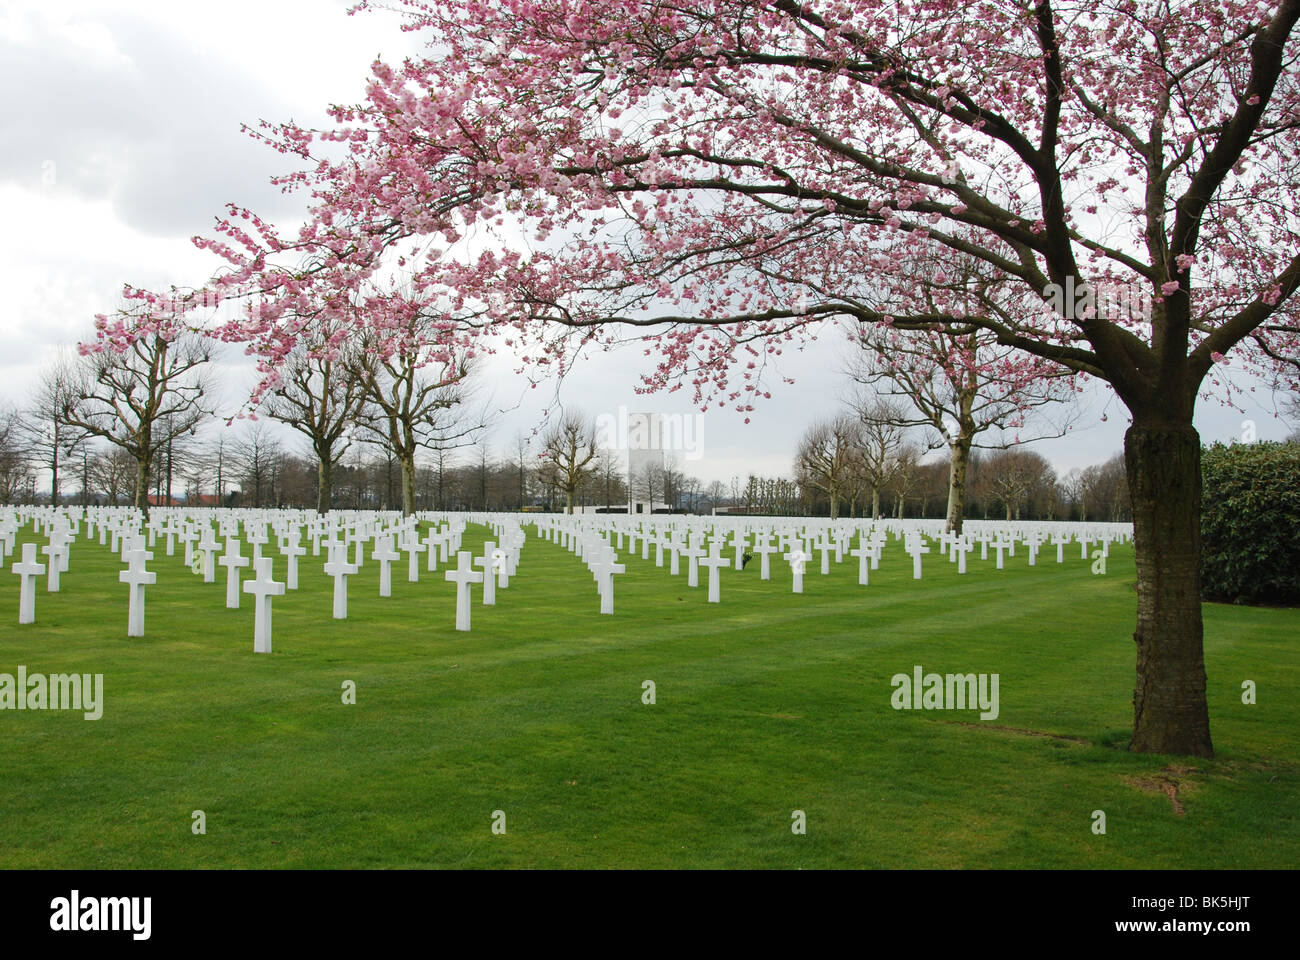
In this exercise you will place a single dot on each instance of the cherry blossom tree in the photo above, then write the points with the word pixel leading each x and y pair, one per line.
pixel 730 178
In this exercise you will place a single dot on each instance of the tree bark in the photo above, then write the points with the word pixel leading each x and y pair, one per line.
pixel 408 486
pixel 1170 712
pixel 324 484
pixel 959 458
pixel 142 485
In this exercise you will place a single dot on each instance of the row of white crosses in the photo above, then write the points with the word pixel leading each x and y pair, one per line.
pixel 602 561
pixel 345 555
pixel 61 534
pixel 701 541
pixel 739 531
pixel 122 530
pixel 801 541
pixel 57 550
pixel 689 542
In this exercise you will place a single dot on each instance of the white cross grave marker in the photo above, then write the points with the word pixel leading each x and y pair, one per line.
pixel 138 578
pixel 292 551
pixel 489 580
pixel 385 554
pixel 232 561
pixel 604 569
pixel 796 559
pixel 715 562
pixel 917 549
pixel 28 569
pixel 337 566
pixel 263 588
pixel 463 575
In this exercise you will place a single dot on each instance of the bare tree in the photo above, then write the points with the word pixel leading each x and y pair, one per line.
pixel 482 469
pixel 15 454
pixel 113 472
pixel 1075 489
pixel 714 494
pixel 673 478
pixel 219 458
pixel 1013 473
pixel 648 484
pixel 824 458
pixel 691 489
pixel 963 386
pixel 51 438
pixel 174 453
pixel 443 463
pixel 568 449
pixel 255 454
pixel 520 464
pixel 609 469
pixel 407 408
pixel 880 440
pixel 142 397
pixel 905 477
pixel 320 397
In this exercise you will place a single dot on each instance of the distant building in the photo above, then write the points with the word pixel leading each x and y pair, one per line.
pixel 645 463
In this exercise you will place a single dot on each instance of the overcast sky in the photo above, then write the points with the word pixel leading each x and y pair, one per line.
pixel 120 132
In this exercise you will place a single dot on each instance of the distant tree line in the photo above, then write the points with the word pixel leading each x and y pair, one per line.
pixel 1011 484
pixel 135 429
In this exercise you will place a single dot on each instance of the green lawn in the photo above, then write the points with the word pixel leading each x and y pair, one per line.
pixel 766 704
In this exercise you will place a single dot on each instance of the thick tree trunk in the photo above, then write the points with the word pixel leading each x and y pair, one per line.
pixel 142 485
pixel 324 485
pixel 958 460
pixel 875 503
pixel 1170 713
pixel 408 486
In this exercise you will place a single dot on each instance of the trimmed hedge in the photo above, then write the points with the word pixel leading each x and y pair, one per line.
pixel 1250 523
